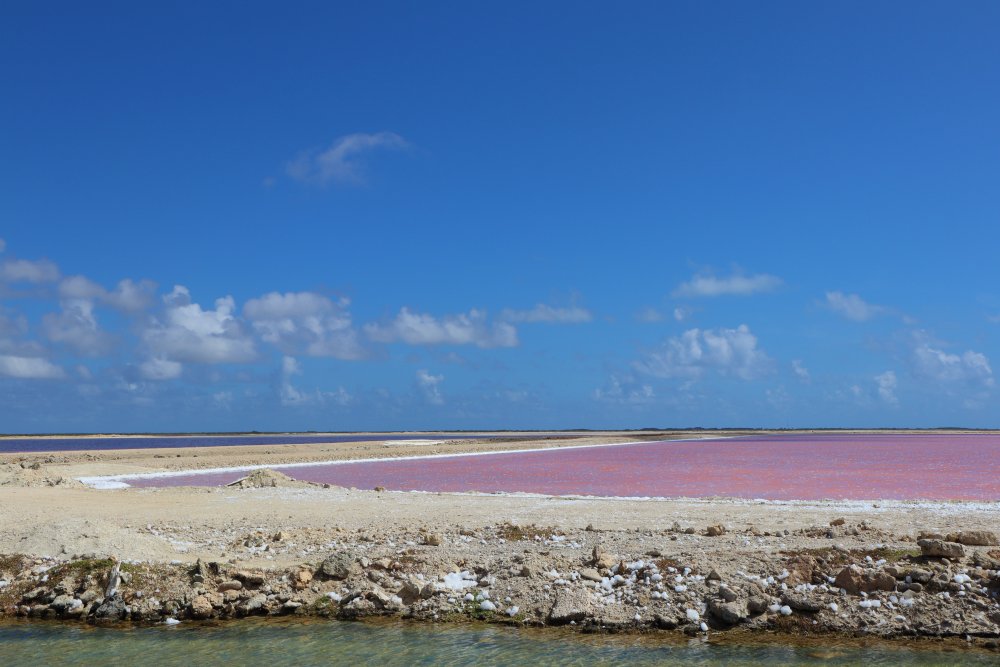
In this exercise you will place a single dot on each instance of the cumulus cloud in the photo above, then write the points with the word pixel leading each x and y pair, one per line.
pixel 158 368
pixel 430 387
pixel 549 314
pixel 28 271
pixel 886 384
pixel 852 306
pixel 800 370
pixel 76 326
pixel 470 328
pixel 305 322
pixel 188 333
pixel 29 368
pixel 343 162
pixel 936 364
pixel 728 352
pixel 708 285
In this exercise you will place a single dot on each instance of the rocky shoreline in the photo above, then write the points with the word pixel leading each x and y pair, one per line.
pixel 856 581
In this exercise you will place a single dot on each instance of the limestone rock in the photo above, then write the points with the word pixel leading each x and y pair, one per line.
pixel 940 549
pixel 337 566
pixel 978 538
pixel 590 574
pixel 201 608
pixel 728 612
pixel 570 605
pixel 715 531
pixel 801 602
pixel 249 578
pixel 301 579
pixel 854 580
pixel 757 604
pixel 800 570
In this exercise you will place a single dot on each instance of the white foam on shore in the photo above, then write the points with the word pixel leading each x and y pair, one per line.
pixel 103 481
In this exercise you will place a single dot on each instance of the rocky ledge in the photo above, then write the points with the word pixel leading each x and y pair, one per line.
pixel 941 585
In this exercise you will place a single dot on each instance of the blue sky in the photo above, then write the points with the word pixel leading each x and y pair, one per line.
pixel 235 216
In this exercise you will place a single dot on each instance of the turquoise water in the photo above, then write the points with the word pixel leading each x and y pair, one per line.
pixel 335 643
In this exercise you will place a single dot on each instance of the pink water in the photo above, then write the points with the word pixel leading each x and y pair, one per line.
pixel 806 467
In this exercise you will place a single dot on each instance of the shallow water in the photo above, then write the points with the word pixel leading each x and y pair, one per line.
pixel 98 443
pixel 938 467
pixel 386 645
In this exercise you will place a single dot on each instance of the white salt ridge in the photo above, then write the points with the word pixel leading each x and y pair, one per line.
pixel 486 605
pixel 171 621
pixel 692 615
pixel 458 581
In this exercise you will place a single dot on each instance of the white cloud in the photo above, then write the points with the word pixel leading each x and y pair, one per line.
pixel 800 370
pixel 681 314
pixel 886 384
pixel 128 296
pixel 649 315
pixel 76 326
pixel 289 394
pixel 429 386
pixel 470 328
pixel 158 368
pixel 707 285
pixel 936 364
pixel 852 306
pixel 342 162
pixel 29 368
pixel 188 333
pixel 28 271
pixel 729 352
pixel 625 391
pixel 3 245
pixel 305 322
pixel 544 313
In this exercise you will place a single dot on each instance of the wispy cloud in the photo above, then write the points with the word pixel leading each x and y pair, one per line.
pixel 730 352
pixel 549 314
pixel 936 364
pixel 470 328
pixel 343 163
pixel 28 271
pixel 886 384
pixel 625 391
pixel 29 368
pixel 709 285
pixel 430 387
pixel 853 307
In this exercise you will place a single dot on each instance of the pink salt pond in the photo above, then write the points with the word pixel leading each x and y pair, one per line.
pixel 779 467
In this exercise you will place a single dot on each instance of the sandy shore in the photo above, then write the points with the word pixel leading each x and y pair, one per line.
pixel 296 548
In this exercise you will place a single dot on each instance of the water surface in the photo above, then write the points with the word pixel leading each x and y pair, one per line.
pixel 388 645
pixel 938 467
